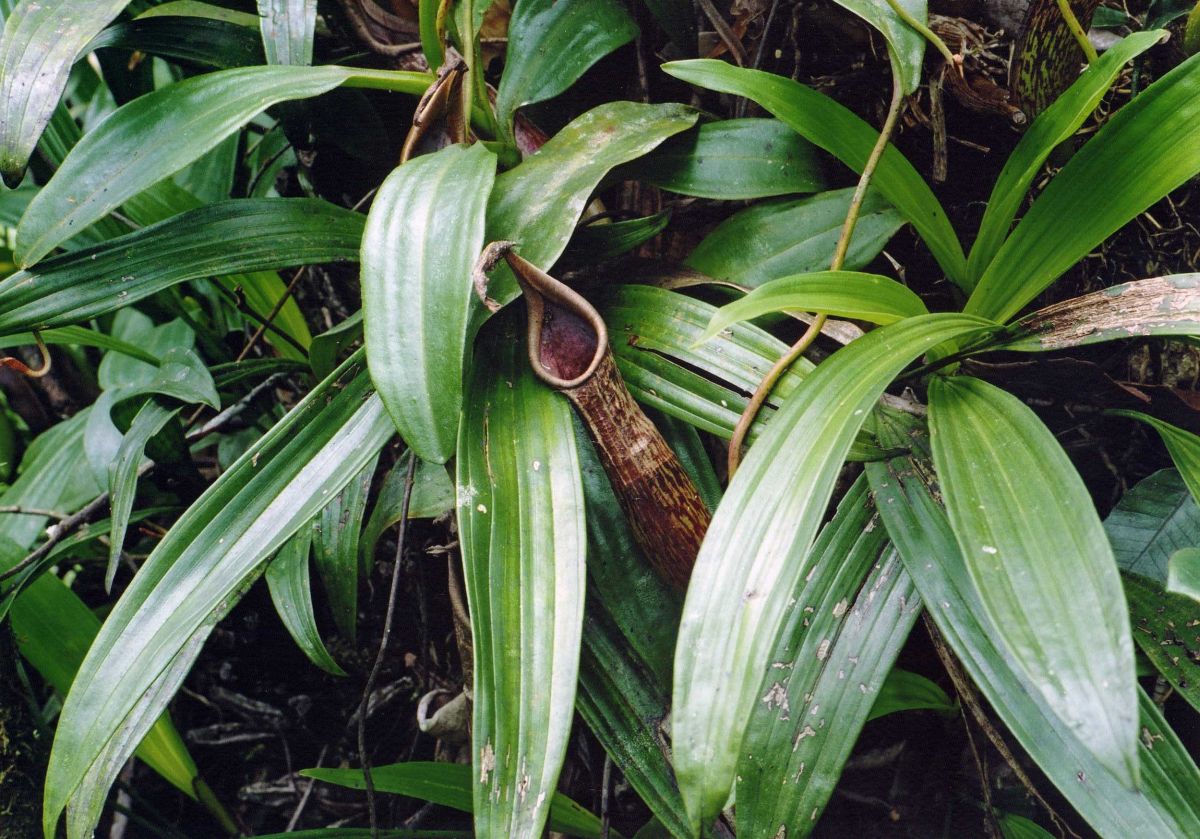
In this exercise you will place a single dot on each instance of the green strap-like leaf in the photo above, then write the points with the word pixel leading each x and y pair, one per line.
pixel 904 690
pixel 210 43
pixel 1147 148
pixel 1183 446
pixel 79 336
pixel 834 128
pixel 291 591
pixel 226 238
pixel 780 238
pixel 1041 562
pixel 335 535
pixel 423 234
pixel 520 515
pixel 846 294
pixel 538 203
pixel 1151 522
pixel 1166 805
pixel 758 548
pixel 733 159
pixel 194 576
pixel 550 45
pixel 41 40
pixel 449 784
pixel 844 626
pixel 287 30
pixel 158 134
pixel 1053 126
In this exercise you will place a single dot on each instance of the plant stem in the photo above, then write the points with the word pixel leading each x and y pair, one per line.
pixel 927 33
pixel 734 456
pixel 1081 37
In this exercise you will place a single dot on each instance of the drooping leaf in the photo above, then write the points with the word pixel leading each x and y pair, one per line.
pixel 537 203
pixel 291 591
pixel 1053 126
pixel 1164 623
pixel 846 294
pixel 197 40
pixel 758 548
pixel 122 474
pixel 844 625
pixel 41 40
pixel 423 234
pixel 1164 807
pixel 906 46
pixel 834 128
pixel 778 239
pixel 324 354
pixel 287 30
pixel 230 237
pixel 158 134
pixel 79 336
pixel 335 536
pixel 1183 446
pixel 1151 522
pixel 1146 149
pixel 550 45
pixel 449 784
pixel 593 243
pixel 904 690
pixel 214 551
pixel 1015 501
pixel 520 515
pixel 432 496
pixel 733 159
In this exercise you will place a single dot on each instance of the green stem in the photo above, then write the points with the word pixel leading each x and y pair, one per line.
pixel 1080 36
pixel 929 35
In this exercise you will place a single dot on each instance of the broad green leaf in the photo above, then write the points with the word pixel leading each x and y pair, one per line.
pixel 538 203
pixel 287 30
pixel 1183 446
pixel 230 237
pixel 1052 127
pixel 758 548
pixel 1041 562
pixel 449 784
pixel 1144 151
pixel 836 129
pixel 846 294
pixel 432 496
pixel 1164 622
pixel 194 576
pixel 550 45
pixel 906 46
pixel 335 535
pixel 1167 305
pixel 196 8
pixel 904 690
pixel 520 516
pixel 423 234
pixel 79 336
pixel 1151 522
pixel 41 40
pixel 291 591
pixel 1183 573
pixel 845 623
pixel 122 475
pixel 1165 806
pixel 779 238
pixel 733 159
pixel 158 134
pixel 197 40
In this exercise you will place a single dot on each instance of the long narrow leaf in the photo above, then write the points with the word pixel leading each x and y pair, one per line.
pixel 291 591
pixel 193 578
pixel 287 30
pixel 758 548
pixel 520 515
pixel 423 233
pixel 1165 806
pixel 41 40
pixel 836 129
pixel 1148 148
pixel 1183 446
pixel 335 537
pixel 1033 544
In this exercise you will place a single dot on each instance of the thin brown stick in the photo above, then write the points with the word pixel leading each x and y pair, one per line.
pixel 726 34
pixel 363 756
pixel 839 258
pixel 18 510
pixel 278 307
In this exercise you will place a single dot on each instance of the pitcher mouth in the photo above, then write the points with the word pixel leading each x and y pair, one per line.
pixel 565 337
